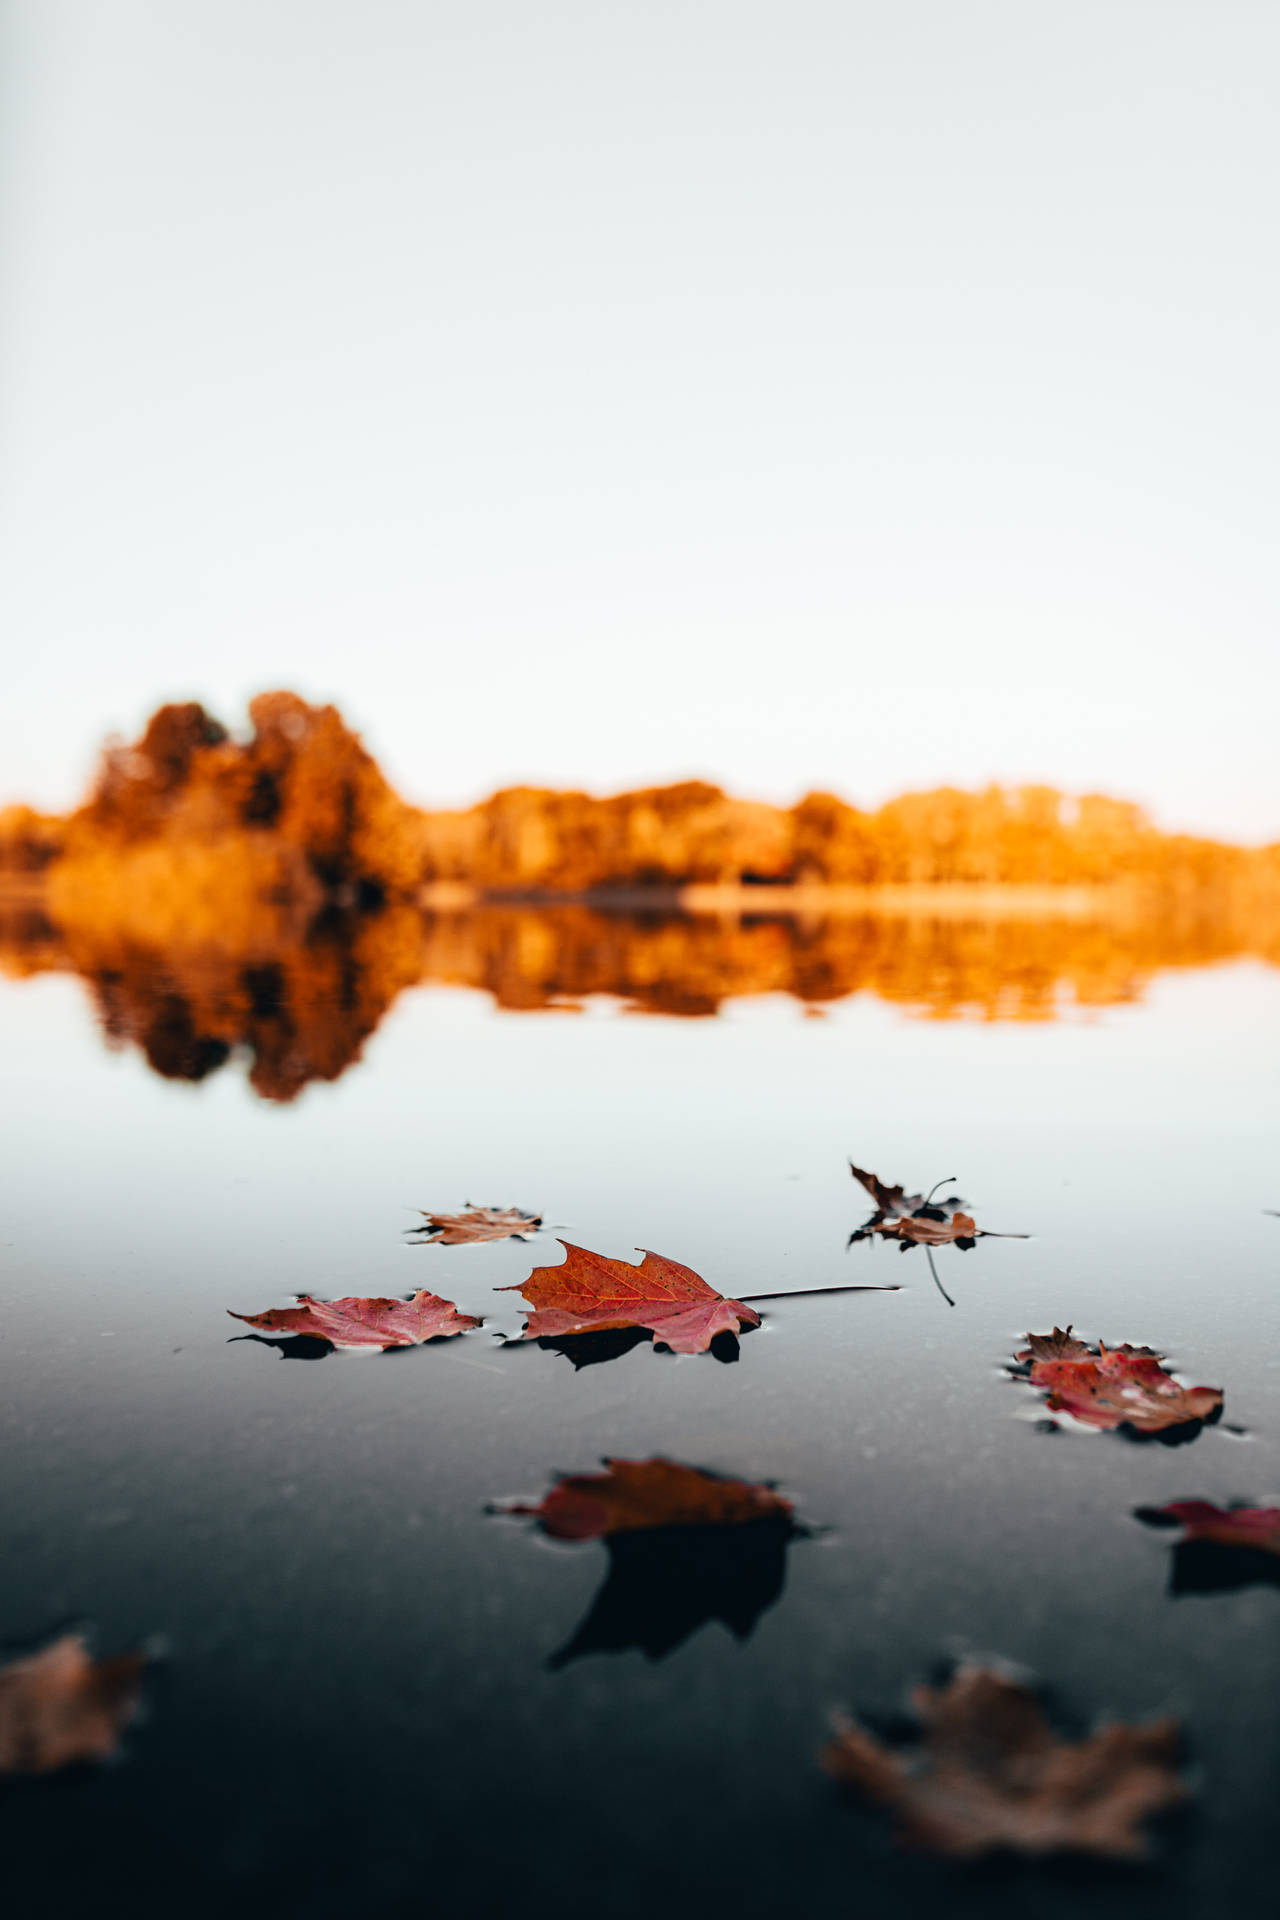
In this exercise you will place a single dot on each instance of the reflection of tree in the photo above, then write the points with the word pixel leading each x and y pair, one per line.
pixel 666 1582
pixel 302 998
pixel 302 1013
pixel 669 962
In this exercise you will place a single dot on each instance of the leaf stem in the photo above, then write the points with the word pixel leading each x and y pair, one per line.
pixel 928 1252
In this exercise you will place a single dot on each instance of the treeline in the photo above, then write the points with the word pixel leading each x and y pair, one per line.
pixel 190 821
pixel 537 840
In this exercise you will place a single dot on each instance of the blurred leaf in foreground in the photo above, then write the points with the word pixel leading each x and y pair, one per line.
pixel 986 1773
pixel 59 1706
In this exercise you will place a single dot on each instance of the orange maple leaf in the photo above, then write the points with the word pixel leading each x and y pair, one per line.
pixel 592 1294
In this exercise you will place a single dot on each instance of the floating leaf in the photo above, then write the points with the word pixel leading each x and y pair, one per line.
pixel 1255 1527
pixel 59 1706
pixel 685 1547
pixel 477 1223
pixel 890 1201
pixel 917 1219
pixel 1222 1548
pixel 924 1230
pixel 1061 1344
pixel 988 1774
pixel 592 1294
pixel 633 1494
pixel 353 1322
pixel 1113 1387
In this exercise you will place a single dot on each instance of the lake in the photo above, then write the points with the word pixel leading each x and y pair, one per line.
pixel 370 1695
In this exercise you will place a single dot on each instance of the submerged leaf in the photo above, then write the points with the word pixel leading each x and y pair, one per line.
pixel 1111 1387
pixel 592 1294
pixel 353 1322
pixel 59 1706
pixel 634 1494
pixel 477 1223
pixel 988 1774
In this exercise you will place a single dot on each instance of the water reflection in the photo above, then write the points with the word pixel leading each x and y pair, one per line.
pixel 301 1003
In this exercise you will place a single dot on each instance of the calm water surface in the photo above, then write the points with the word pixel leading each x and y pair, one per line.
pixel 376 1699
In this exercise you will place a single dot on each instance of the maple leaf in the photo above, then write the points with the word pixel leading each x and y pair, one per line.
pixel 890 1201
pixel 935 1229
pixel 59 1706
pixel 988 1774
pixel 1114 1387
pixel 632 1494
pixel 685 1546
pixel 1061 1344
pixel 1222 1548
pixel 352 1322
pixel 917 1220
pixel 592 1294
pixel 1253 1527
pixel 477 1223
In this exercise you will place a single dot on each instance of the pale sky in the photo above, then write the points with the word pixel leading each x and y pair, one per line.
pixel 791 392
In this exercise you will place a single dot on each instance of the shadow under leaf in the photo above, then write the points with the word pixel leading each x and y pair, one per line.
pixel 1212 1566
pixel 664 1583
pixel 295 1346
pixel 594 1349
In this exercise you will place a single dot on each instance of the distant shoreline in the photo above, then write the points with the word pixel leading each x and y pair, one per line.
pixel 943 899
pixel 949 898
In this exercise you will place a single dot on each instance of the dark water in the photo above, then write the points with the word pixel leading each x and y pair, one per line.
pixel 376 1699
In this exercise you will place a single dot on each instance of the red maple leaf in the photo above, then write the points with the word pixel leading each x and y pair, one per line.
pixel 634 1494
pixel 1254 1527
pixel 592 1294
pixel 1114 1387
pixel 352 1322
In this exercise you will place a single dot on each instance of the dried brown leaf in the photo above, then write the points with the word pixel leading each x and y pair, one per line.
pixel 59 1706
pixel 477 1223
pixel 988 1774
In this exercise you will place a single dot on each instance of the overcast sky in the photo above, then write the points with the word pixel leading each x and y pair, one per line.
pixel 845 393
